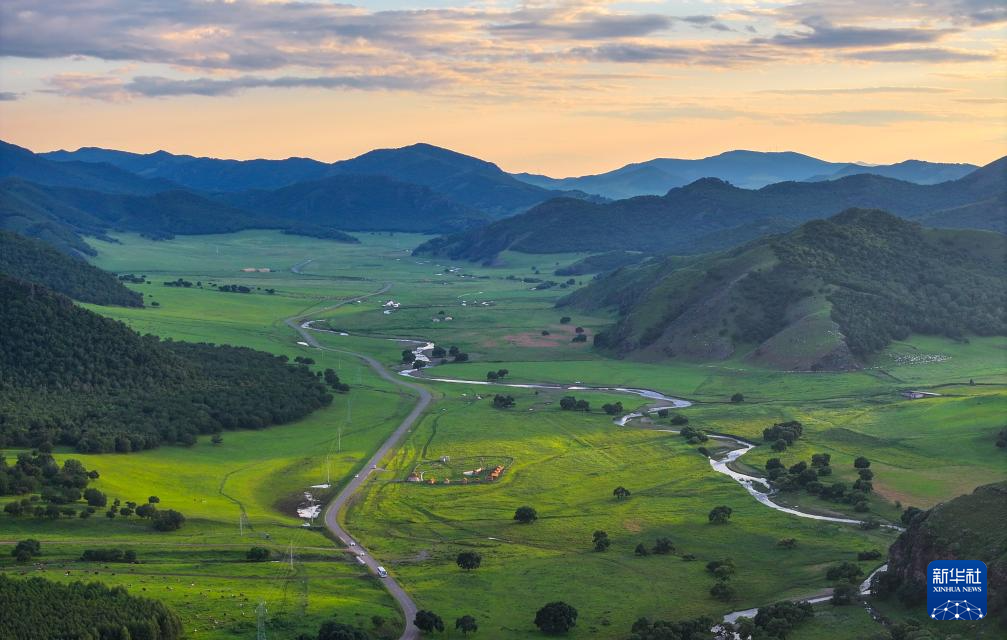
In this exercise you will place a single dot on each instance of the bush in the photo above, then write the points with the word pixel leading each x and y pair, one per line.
pixel 257 554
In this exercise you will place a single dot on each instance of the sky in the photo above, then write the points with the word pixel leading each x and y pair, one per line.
pixel 562 88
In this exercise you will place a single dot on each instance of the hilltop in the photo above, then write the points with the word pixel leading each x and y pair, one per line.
pixel 711 214
pixel 827 295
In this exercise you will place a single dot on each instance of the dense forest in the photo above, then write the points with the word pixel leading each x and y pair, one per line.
pixel 37 609
pixel 847 285
pixel 35 261
pixel 69 376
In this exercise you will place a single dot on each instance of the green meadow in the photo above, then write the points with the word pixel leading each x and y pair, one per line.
pixel 564 464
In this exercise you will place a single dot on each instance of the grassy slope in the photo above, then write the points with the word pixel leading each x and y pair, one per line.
pixel 566 464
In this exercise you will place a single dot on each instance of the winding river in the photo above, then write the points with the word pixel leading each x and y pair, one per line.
pixel 754 485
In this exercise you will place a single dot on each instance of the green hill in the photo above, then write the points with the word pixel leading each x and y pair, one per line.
pixel 711 214
pixel 826 295
pixel 69 376
pixel 970 527
pixel 36 261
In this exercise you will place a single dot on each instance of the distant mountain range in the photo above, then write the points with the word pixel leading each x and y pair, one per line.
pixel 745 169
pixel 421 188
pixel 711 214
pixel 827 295
pixel 468 181
pixel 58 200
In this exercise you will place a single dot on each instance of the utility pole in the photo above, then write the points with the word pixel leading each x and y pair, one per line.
pixel 260 622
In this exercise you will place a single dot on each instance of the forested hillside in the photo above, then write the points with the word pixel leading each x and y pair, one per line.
pixel 69 376
pixel 38 609
pixel 711 214
pixel 826 295
pixel 36 261
pixel 361 203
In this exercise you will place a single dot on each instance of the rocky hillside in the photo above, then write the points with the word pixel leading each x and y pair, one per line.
pixel 970 527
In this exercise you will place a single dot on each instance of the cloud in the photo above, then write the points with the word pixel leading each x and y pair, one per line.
pixel 720 55
pixel 113 88
pixel 824 35
pixel 592 27
pixel 963 13
pixel 857 90
pixel 872 117
pixel 8 96
pixel 931 55
pixel 221 47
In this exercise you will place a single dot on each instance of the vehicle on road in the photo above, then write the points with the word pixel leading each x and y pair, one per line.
pixel 382 573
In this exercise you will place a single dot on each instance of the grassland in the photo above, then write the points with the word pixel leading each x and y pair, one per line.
pixel 565 464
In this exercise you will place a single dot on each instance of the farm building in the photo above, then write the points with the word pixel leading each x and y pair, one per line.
pixel 917 395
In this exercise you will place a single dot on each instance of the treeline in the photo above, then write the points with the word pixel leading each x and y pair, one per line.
pixel 36 261
pixel 72 377
pixel 37 609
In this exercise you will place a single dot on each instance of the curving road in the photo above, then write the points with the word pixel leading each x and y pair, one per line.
pixel 301 326
pixel 343 497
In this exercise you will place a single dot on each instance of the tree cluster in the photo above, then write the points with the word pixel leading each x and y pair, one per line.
pixel 38 609
pixel 783 434
pixel 570 403
pixel 801 476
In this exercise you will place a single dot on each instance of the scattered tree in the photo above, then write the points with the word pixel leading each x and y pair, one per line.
pixel 720 515
pixel 664 546
pixel 737 398
pixel 168 520
pixel 556 618
pixel 525 515
pixel 601 541
pixel 641 550
pixel 332 630
pixel 503 402
pixel 466 624
pixel 469 560
pixel 621 492
pixel 428 621
pixel 257 554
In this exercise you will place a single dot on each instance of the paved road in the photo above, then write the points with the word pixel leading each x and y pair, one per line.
pixel 332 511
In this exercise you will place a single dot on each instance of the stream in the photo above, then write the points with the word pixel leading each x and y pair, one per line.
pixel 752 484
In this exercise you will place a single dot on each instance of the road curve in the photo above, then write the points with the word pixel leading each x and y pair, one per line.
pixel 406 603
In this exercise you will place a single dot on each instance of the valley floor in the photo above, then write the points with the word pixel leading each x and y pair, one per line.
pixel 245 491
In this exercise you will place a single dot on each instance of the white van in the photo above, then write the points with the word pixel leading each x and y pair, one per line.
pixel 382 573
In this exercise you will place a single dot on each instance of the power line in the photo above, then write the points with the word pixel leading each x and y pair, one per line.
pixel 260 622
